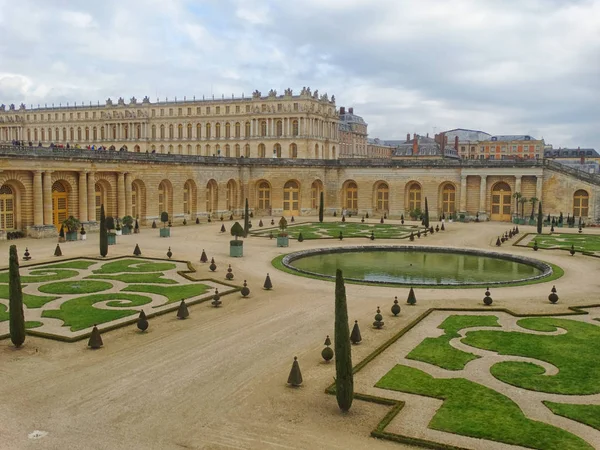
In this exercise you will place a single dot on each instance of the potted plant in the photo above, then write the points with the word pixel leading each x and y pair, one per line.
pixel 164 218
pixel 522 201
pixel 110 226
pixel 83 233
pixel 127 224
pixel 236 247
pixel 282 238
pixel 533 201
pixel 72 226
pixel 118 228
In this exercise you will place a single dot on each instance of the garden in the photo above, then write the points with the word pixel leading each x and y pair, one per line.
pixel 332 230
pixel 564 241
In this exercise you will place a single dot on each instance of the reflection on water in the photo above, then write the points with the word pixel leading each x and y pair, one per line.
pixel 416 267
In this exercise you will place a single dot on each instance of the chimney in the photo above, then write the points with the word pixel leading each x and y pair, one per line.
pixel 427 135
pixel 342 110
pixel 415 146
pixel 351 110
pixel 582 157
pixel 407 137
pixel 456 143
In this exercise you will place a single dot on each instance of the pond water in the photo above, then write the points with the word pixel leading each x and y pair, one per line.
pixel 416 267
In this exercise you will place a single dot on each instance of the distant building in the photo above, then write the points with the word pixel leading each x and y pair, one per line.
pixel 422 147
pixel 352 134
pixel 463 140
pixel 584 159
pixel 511 147
pixel 377 148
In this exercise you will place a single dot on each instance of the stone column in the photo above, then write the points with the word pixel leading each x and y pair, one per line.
pixel 38 199
pixel 482 194
pixel 127 194
pixel 83 199
pixel 463 194
pixel 539 187
pixel 121 194
pixel 47 193
pixel 91 195
pixel 518 183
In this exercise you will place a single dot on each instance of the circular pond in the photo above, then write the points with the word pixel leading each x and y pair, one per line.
pixel 410 265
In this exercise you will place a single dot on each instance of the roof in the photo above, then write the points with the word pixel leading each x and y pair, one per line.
pixel 513 137
pixel 426 147
pixel 466 135
pixel 570 152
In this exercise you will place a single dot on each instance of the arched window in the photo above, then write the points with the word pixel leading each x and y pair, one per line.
pixel 126 131
pixel 218 130
pixel 247 130
pixel 161 149
pixel 153 132
pixel 237 130
pixel 262 151
pixel 171 135
pixel 138 131
pixel 60 206
pixel 87 134
pixel 162 131
pixel 351 196
pixel 64 134
pixel 227 130
pixel 291 198
pixel 187 190
pixel 7 208
pixel 231 195
pixel 179 131
pixel 264 196
pixel 188 150
pixel 207 150
pixel 581 201
pixel 164 198
pixel 295 128
pixel 382 197
pixel 247 151
pixel 198 149
pixel 208 134
pixel 179 149
pixel 135 196
pixel 198 131
pixel 263 128
pixel 43 133
pixel 414 197
pixel 101 199
pixel 102 135
pixel 237 150
pixel 279 128
pixel 227 150
pixel 293 151
pixel 170 148
pixel 72 134
pixel 211 196
pixel 277 150
pixel 316 151
pixel 448 199
pixel 315 194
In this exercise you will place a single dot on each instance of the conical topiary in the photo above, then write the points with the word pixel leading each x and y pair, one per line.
pixel 402 219
pixel 260 224
pixel 197 220
pixel 419 234
pixel 443 228
pixel 229 274
pixel 16 315
pixel 344 377
pixel 95 339
pixel 268 285
pixel 272 221
pixel 381 220
pixel 245 290
pixel 231 217
pixel 412 299
pixel 553 297
pixel 142 322
pixel 182 311
pixel 378 320
pixel 487 300
pixel 295 377
pixel 57 250
pixel 395 307
pixel 437 228
pixel 271 235
pixel 169 253
pixel 412 236
pixel 209 219
pixel 498 242
pixel 292 220
pixel 372 237
pixel 136 250
pixel 154 224
pixel 221 218
pixel 223 228
pixel 362 220
pixel 343 218
pixel 203 257
pixel 341 236
pixel 553 289
pixel 61 233
pixel 355 336
pixel 327 352
pixel 572 251
pixel 212 266
pixel 300 237
pixel 216 302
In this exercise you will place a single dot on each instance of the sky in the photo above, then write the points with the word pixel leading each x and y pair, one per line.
pixel 421 66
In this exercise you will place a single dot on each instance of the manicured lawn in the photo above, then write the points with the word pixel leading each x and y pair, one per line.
pixel 74 287
pixel 79 313
pixel 439 352
pixel 474 410
pixel 4 315
pixel 133 278
pixel 75 264
pixel 349 229
pixel 173 293
pixel 31 301
pixel 134 265
pixel 42 275
pixel 581 242
pixel 587 414
pixel 575 354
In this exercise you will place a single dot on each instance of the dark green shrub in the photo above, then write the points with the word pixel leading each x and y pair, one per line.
pixel 344 378
pixel 15 302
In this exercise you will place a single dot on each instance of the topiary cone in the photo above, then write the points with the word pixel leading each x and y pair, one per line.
pixel 412 299
pixel 197 220
pixel 268 285
pixel 372 236
pixel 341 236
pixel 216 299
pixel 443 228
pixel 378 322
pixel 535 246
pixel 223 228
pixel 553 289
pixel 95 339
pixel 57 251
pixel 300 237
pixel 395 307
pixel 381 220
pixel 295 377
pixel 203 257
pixel 260 224
pixel 245 290
pixel 343 218
pixel 154 224
pixel 355 336
pixel 15 302
pixel 142 322
pixel 136 250
pixel 26 255
pixel 182 311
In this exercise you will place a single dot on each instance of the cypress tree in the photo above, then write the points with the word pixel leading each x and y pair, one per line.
pixel 321 207
pixel 426 216
pixel 103 233
pixel 540 218
pixel 246 220
pixel 344 380
pixel 15 295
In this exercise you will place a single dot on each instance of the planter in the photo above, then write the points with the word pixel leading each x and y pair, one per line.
pixel 461 218
pixel 165 232
pixel 532 222
pixel 126 230
pixel 83 237
pixel 112 238
pixel 236 249
pixel 560 225
pixel 283 241
pixel 119 232
pixel 521 222
pixel 71 236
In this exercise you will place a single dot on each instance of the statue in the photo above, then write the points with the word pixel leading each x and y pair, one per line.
pixel 2 107
pixel 146 99
pixel 22 106
pixel 324 97
pixel 256 94
pixel 121 101
pixel 132 101
pixel 288 92
pixel 308 91
pixel 316 94
pixel 303 91
pixel 333 99
pixel 109 102
pixel 272 93
pixel 11 107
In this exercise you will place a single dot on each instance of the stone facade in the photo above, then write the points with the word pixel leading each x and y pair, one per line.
pixel 353 135
pixel 43 186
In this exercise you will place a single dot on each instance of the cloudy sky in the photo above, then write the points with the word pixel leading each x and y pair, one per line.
pixel 501 66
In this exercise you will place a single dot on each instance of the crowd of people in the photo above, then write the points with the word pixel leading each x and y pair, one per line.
pixel 52 145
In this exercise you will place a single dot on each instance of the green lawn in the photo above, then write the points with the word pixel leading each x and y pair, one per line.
pixel 42 275
pixel 132 278
pixel 581 242
pixel 575 354
pixel 349 229
pixel 4 315
pixel 31 301
pixel 474 410
pixel 134 265
pixel 74 287
pixel 172 293
pixel 439 352
pixel 75 264
pixel 79 313
pixel 587 414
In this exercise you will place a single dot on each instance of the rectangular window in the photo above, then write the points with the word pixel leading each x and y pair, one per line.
pixel 162 112
pixel 295 106
pixel 514 148
pixel 34 117
pixel 70 116
pixel 237 109
pixel 179 111
pixel 189 111
pixel 247 108
pixel 198 110
pixel 227 110
pixel 170 111
pixel 208 110
pixel 218 110
pixel 79 115
pixel 153 113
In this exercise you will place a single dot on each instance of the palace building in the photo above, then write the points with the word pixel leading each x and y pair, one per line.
pixel 205 157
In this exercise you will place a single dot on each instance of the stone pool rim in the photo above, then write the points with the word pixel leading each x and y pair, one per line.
pixel 545 268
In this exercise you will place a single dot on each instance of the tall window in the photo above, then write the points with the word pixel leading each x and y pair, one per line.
pixel 227 130
pixel 211 196
pixel 186 197
pixel 218 130
pixel 7 208
pixel 262 151
pixel 279 128
pixel 264 196
pixel 580 203
pixel 315 194
pixel 163 197
pixel 277 150
pixel 100 196
pixel 198 131
pixel 414 197
pixel 295 128
pixel 237 130
pixel 153 132
pixel 382 197
pixel 448 199
pixel 247 151
pixel 162 131
pixel 135 213
pixel 227 150
pixel 247 130
pixel 263 127
pixel 237 150
pixel 208 135
pixel 231 195
pixel 351 193
pixel 171 132
pixel 179 131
